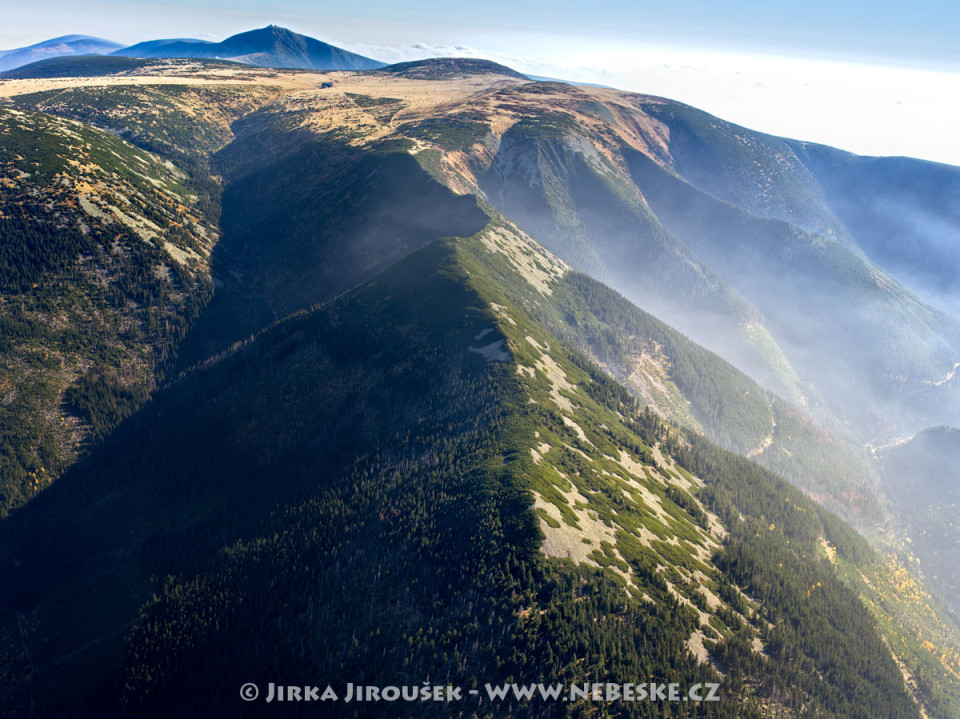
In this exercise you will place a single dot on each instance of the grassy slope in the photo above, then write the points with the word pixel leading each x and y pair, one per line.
pixel 697 389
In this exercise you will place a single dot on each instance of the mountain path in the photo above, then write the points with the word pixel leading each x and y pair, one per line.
pixel 768 440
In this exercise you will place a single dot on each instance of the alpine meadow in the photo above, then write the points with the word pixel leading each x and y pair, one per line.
pixel 320 373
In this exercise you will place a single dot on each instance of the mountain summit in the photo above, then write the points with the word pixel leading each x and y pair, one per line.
pixel 450 68
pixel 271 46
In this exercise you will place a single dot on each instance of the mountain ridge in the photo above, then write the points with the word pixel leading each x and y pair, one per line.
pixel 56 47
pixel 447 68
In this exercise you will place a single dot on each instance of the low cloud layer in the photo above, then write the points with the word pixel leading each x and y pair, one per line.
pixel 412 51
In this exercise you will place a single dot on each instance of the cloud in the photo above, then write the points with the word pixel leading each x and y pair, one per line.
pixel 540 65
pixel 411 51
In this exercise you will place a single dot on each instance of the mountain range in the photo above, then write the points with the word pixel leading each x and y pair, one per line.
pixel 432 372
pixel 271 46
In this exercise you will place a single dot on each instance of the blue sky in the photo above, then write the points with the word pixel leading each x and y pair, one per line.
pixel 919 32
pixel 872 77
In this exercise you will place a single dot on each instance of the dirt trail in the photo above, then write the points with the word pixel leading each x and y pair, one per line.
pixel 768 440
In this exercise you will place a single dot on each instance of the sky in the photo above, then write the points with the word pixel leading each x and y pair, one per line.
pixel 876 78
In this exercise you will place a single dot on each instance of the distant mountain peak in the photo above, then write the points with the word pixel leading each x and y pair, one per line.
pixel 269 31
pixel 270 46
pixel 448 68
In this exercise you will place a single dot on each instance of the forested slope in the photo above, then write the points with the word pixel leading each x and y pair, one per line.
pixel 329 503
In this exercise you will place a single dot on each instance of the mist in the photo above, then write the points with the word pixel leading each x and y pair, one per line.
pixel 923 475
pixel 804 314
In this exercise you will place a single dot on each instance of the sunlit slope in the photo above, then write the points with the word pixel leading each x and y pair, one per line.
pixel 103 263
pixel 109 218
pixel 691 386
pixel 919 632
pixel 419 478
pixel 183 123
